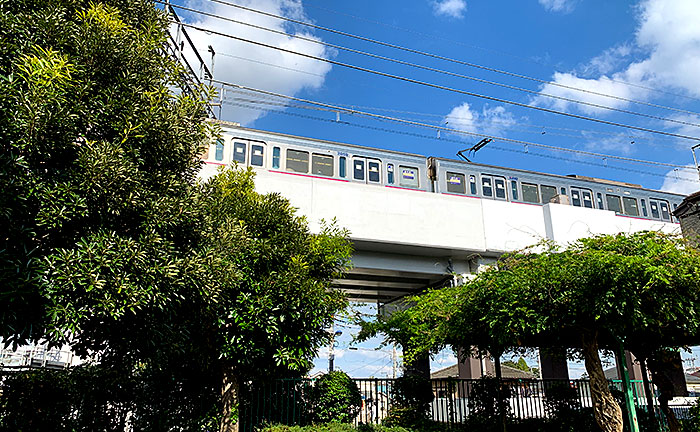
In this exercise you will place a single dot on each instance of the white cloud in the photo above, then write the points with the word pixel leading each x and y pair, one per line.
pixel 681 181
pixel 608 61
pixel 668 38
pixel 250 65
pixel 451 8
pixel 619 143
pixel 563 6
pixel 669 30
pixel 490 121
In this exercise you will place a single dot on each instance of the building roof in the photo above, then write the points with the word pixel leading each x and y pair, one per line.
pixel 506 371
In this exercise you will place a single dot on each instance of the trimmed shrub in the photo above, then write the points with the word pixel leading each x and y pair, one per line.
pixel 335 398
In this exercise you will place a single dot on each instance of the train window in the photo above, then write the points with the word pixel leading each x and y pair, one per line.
pixel 358 169
pixel 390 173
pixel 600 200
pixel 665 214
pixel 472 185
pixel 644 208
pixel 373 172
pixel 276 157
pixel 575 197
pixel 630 206
pixel 486 188
pixel 256 155
pixel 456 183
pixel 587 198
pixel 322 165
pixel 297 161
pixel 581 197
pixel 563 191
pixel 409 176
pixel 514 189
pixel 500 184
pixel 341 166
pixel 239 150
pixel 548 192
pixel 219 153
pixel 654 206
pixel 614 203
pixel 530 192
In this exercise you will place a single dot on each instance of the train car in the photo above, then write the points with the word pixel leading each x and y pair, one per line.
pixel 528 187
pixel 290 155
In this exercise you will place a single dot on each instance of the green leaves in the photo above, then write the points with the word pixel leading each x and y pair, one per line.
pixel 642 289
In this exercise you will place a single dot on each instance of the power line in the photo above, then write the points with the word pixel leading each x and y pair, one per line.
pixel 458 131
pixel 504 53
pixel 506 125
pixel 491 146
pixel 458 75
pixel 441 87
pixel 444 58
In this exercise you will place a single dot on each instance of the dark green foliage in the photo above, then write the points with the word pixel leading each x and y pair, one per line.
pixel 411 399
pixel 94 397
pixel 692 424
pixel 335 398
pixel 488 399
pixel 333 427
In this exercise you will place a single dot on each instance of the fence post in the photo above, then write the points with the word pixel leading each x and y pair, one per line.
pixel 627 390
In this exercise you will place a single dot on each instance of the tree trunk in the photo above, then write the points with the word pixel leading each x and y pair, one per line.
pixel 230 395
pixel 607 412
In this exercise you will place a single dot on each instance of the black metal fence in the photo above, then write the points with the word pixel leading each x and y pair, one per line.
pixel 453 400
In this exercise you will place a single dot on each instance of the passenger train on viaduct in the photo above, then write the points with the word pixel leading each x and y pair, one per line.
pixel 291 155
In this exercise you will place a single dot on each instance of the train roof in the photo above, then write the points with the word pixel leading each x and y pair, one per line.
pixel 234 125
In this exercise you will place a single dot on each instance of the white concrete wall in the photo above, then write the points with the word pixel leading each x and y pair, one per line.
pixel 392 215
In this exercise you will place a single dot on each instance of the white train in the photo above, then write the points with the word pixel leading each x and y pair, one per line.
pixel 385 168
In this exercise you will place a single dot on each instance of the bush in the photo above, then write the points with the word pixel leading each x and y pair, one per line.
pixel 333 427
pixel 411 403
pixel 335 398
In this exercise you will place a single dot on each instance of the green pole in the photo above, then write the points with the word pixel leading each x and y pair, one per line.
pixel 627 389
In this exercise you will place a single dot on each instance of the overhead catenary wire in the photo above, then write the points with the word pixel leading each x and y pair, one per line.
pixel 499 52
pixel 492 147
pixel 542 128
pixel 441 87
pixel 437 56
pixel 458 75
pixel 505 125
pixel 453 130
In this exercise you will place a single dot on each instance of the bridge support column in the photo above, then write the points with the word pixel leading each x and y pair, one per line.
pixel 553 364
pixel 469 366
pixel 419 367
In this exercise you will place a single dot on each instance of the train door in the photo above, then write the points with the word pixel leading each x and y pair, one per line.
pixel 248 153
pixel 366 170
pixel 493 187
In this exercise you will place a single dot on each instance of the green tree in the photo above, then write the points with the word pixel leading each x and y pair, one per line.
pixel 272 302
pixel 109 244
pixel 641 291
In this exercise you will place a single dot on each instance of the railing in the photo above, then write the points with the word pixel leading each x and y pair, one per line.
pixel 35 356
pixel 453 400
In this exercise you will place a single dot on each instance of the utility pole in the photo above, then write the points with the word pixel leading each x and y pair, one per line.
pixel 331 347
pixel 393 361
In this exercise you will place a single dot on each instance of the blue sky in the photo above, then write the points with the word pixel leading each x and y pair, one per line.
pixel 645 54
